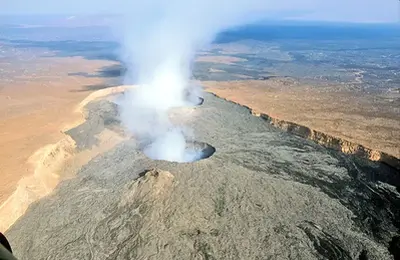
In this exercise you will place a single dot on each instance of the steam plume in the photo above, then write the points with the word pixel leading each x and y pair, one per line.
pixel 159 46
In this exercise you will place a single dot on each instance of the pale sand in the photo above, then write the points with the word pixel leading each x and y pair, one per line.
pixel 56 162
pixel 219 59
pixel 365 119
pixel 35 108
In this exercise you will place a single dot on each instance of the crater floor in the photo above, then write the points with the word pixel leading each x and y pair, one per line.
pixel 264 194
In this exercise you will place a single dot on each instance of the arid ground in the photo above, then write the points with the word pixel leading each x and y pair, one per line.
pixel 37 101
pixel 74 186
pixel 370 120
pixel 264 194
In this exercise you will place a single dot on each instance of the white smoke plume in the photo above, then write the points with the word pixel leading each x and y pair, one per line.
pixel 160 40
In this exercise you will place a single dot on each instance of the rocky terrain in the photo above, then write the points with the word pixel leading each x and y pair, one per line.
pixel 264 194
pixel 353 118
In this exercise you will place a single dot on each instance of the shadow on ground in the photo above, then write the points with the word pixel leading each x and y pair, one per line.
pixel 91 50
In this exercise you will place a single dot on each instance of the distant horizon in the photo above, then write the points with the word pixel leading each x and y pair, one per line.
pixel 354 11
pixel 267 21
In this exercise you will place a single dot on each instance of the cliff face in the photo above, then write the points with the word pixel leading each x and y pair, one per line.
pixel 327 140
pixel 332 142
pixel 264 194
pixel 61 160
pixel 345 119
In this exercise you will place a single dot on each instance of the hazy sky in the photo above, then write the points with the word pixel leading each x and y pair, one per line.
pixel 335 10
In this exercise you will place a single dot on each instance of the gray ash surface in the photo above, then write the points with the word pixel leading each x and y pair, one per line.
pixel 264 194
